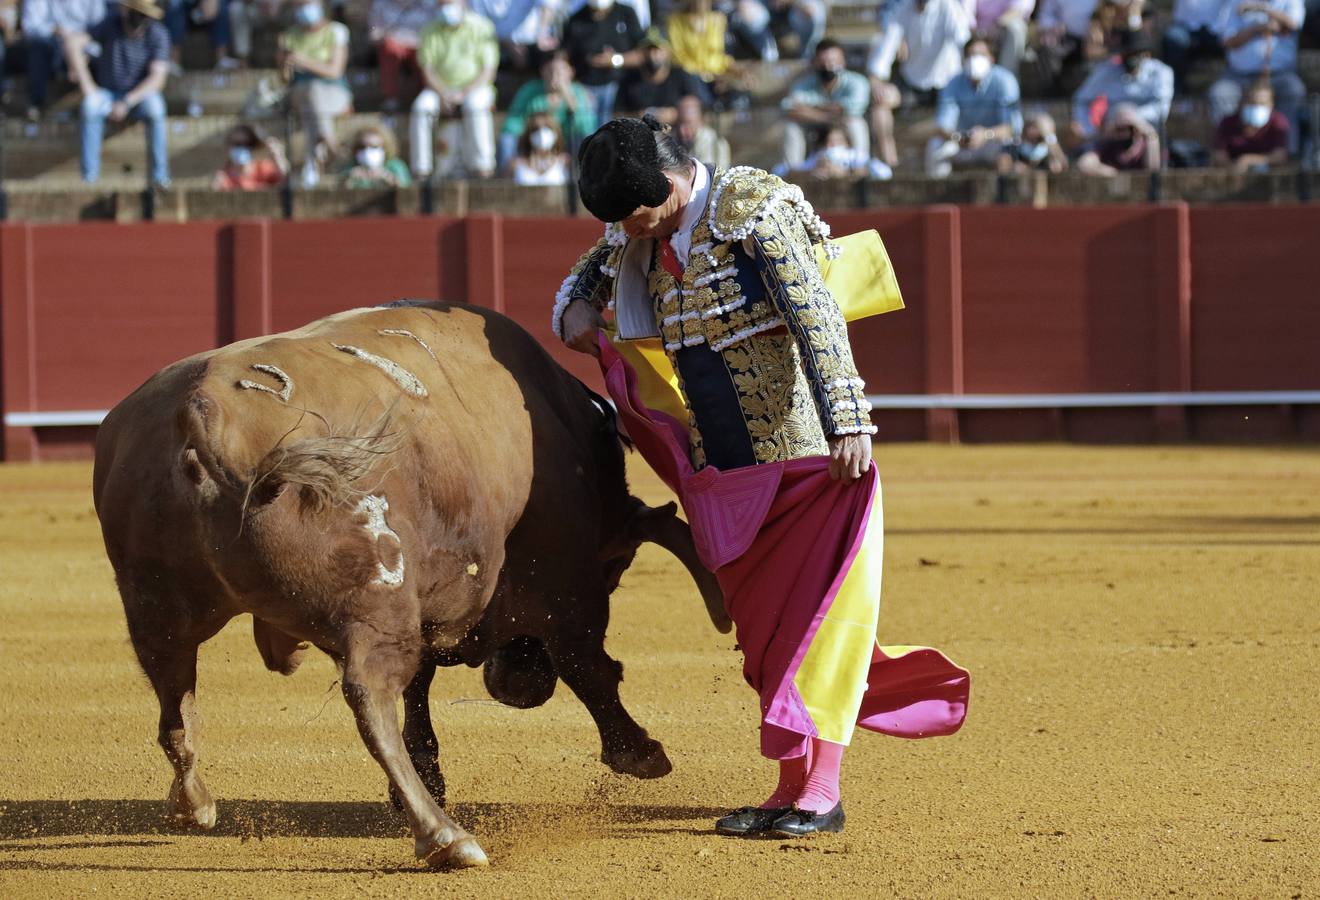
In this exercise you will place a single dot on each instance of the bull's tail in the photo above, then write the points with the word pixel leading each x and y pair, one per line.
pixel 327 467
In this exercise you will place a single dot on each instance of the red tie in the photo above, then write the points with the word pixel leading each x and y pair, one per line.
pixel 669 259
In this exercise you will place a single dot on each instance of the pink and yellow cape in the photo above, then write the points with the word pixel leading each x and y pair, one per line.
pixel 798 556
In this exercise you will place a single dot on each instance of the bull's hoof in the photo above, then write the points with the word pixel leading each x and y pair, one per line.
pixel 464 853
pixel 646 761
pixel 189 806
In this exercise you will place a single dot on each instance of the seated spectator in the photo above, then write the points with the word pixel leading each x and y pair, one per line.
pixel 835 158
pixel 601 40
pixel 244 169
pixel 542 158
pixel 1065 31
pixel 555 92
pixel 1127 142
pixel 375 161
pixel 698 137
pixel 804 20
pixel 245 16
pixel 313 56
pixel 1005 22
pixel 1191 34
pixel 458 56
pixel 1037 150
pixel 525 28
pixel 1260 36
pixel 213 15
pixel 934 32
pixel 977 116
pixel 1134 78
pixel 45 25
pixel 1256 136
pixel 696 39
pixel 656 85
pixel 749 28
pixel 828 95
pixel 395 27
pixel 641 7
pixel 131 70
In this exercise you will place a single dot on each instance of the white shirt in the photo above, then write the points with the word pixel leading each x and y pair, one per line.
pixel 1073 15
pixel 1196 14
pixel 681 240
pixel 935 36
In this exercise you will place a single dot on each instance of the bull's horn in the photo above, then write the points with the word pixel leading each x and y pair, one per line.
pixel 669 531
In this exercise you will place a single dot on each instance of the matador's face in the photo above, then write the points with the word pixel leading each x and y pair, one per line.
pixel 657 221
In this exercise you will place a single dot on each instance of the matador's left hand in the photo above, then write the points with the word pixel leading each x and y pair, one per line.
pixel 850 457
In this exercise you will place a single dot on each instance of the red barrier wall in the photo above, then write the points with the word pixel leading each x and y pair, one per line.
pixel 999 300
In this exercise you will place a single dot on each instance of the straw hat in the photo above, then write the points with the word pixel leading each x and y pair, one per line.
pixel 146 7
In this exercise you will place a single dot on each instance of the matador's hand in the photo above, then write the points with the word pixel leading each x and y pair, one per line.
pixel 850 457
pixel 581 327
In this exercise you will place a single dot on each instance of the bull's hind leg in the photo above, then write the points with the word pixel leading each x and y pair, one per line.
pixel 578 649
pixel 419 733
pixel 375 671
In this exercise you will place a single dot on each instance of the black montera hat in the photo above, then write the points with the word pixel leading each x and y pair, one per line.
pixel 619 169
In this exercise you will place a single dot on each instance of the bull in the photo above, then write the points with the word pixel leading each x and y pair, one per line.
pixel 402 487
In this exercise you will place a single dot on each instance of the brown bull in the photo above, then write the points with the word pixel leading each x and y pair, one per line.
pixel 402 487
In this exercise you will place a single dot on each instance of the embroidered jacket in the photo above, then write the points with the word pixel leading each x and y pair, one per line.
pixel 760 345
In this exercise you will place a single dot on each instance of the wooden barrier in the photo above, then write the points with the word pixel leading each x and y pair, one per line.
pixel 1161 300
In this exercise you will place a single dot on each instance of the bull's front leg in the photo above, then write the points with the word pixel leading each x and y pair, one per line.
pixel 594 677
pixel 375 671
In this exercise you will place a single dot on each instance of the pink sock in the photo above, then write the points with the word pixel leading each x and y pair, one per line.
pixel 792 776
pixel 821 792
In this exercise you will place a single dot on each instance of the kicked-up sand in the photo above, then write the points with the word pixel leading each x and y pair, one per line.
pixel 1142 626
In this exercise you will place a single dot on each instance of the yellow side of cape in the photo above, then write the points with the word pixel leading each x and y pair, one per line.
pixel 861 281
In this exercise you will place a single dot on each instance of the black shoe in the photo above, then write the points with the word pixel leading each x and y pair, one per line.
pixel 801 822
pixel 750 820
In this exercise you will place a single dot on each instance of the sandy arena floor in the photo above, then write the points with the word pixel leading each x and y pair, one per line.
pixel 1141 625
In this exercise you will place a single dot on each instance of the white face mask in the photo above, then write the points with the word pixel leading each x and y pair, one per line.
pixel 839 155
pixel 240 156
pixel 543 139
pixel 451 14
pixel 1255 115
pixel 977 67
pixel 371 157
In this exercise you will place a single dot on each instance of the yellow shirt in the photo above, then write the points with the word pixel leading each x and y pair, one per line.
pixel 698 42
pixel 456 56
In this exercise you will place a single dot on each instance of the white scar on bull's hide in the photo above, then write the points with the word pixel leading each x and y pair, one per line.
pixel 374 508
pixel 286 383
pixel 401 376
pixel 404 332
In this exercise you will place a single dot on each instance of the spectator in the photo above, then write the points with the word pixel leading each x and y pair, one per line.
pixel 211 14
pixel 1126 142
pixel 1191 34
pixel 828 95
pixel 601 40
pixel 749 26
pixel 1064 31
pixel 977 117
pixel 244 169
pixel 375 162
pixel 835 158
pixel 1256 136
pixel 1037 150
pixel 131 71
pixel 554 92
pixel 313 56
pixel 1260 36
pixel 696 37
pixel 244 17
pixel 542 158
pixel 656 85
pixel 45 25
pixel 1134 78
pixel 804 20
pixel 1005 21
pixel 641 7
pixel 524 27
pixel 458 56
pixel 395 27
pixel 697 137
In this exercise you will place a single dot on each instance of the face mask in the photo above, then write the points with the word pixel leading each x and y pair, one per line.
pixel 839 156
pixel 1132 64
pixel 977 67
pixel 451 14
pixel 1034 153
pixel 1255 115
pixel 240 156
pixel 827 73
pixel 601 5
pixel 371 157
pixel 309 14
pixel 543 139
